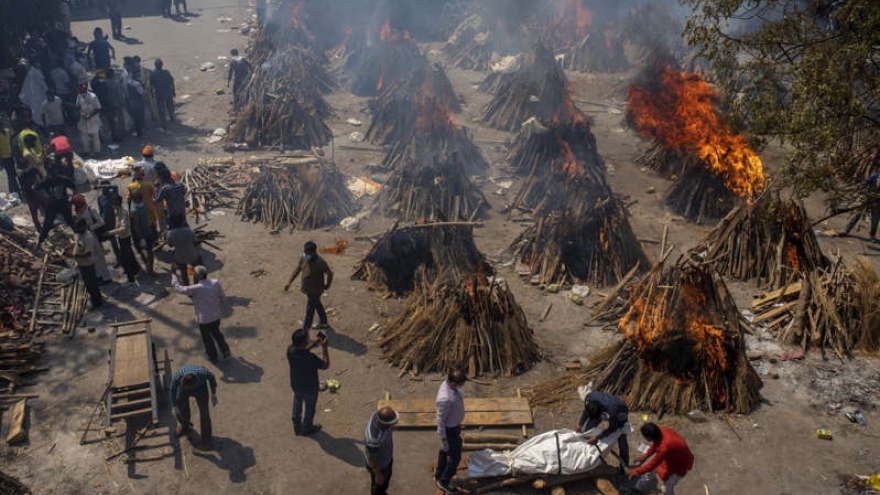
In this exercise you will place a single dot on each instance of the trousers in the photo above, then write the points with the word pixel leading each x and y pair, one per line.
pixel 313 303
pixel 55 208
pixel 380 488
pixel 212 339
pixel 184 413
pixel 447 462
pixel 303 420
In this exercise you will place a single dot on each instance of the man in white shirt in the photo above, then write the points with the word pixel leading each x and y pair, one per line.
pixel 89 120
pixel 53 113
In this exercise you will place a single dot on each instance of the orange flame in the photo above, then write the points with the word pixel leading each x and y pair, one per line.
pixel 387 34
pixel 682 115
pixel 433 115
pixel 571 167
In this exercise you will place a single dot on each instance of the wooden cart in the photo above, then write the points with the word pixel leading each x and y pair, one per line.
pixel 134 385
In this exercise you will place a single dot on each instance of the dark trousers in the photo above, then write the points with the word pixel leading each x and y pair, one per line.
pixel 64 164
pixel 212 338
pixel 184 413
pixel 178 4
pixel 116 24
pixel 138 116
pixel 55 208
pixel 623 446
pixel 313 303
pixel 165 7
pixel 126 258
pixel 165 105
pixel 90 280
pixel 116 122
pixel 874 210
pixel 447 462
pixel 375 488
pixel 304 420
pixel 9 165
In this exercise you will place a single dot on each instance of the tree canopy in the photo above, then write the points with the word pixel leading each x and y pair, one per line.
pixel 805 73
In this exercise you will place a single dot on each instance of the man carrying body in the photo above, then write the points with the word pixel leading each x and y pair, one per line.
pixel 208 298
pixel 602 406
pixel 304 366
pixel 672 458
pixel 316 278
pixel 450 414
pixel 193 381
pixel 379 447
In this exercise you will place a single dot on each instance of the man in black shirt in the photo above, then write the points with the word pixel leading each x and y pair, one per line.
pixel 162 86
pixel 239 68
pixel 56 187
pixel 304 366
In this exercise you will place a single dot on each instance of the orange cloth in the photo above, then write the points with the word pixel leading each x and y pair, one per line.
pixel 671 456
pixel 148 191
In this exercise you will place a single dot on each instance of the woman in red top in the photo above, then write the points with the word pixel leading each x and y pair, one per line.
pixel 672 458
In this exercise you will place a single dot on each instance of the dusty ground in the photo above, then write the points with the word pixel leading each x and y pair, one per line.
pixel 772 451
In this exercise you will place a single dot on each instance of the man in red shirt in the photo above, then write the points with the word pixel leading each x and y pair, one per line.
pixel 60 147
pixel 672 457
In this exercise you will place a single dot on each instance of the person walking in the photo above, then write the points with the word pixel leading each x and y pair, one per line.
pixel 208 298
pixel 193 381
pixel 602 406
pixel 379 448
pixel 100 51
pixel 55 188
pixel 672 458
pixel 871 193
pixel 122 233
pixel 316 278
pixel 83 255
pixel 450 414
pixel 85 213
pixel 141 185
pixel 36 202
pixel 62 151
pixel 185 243
pixel 114 11
pixel 89 120
pixel 162 85
pixel 239 68
pixel 304 366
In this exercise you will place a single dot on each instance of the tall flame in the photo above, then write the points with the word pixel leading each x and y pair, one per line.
pixel 682 114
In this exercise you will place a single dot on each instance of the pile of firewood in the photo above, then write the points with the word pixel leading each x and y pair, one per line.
pixel 303 196
pixel 668 162
pixel 770 240
pixel 385 61
pixel 422 251
pixel 599 49
pixel 469 323
pixel 701 196
pixel 206 187
pixel 682 349
pixel 828 308
pixel 537 89
pixel 474 43
pixel 396 108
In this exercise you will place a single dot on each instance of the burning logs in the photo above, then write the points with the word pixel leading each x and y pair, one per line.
pixel 301 196
pixel 591 243
pixel 586 46
pixel 469 323
pixel 537 89
pixel 427 250
pixel 682 349
pixel 387 60
pixel 770 240
pixel 700 196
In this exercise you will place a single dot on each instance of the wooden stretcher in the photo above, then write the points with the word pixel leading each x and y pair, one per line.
pixel 134 385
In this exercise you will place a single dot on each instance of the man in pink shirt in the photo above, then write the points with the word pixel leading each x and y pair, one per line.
pixel 208 298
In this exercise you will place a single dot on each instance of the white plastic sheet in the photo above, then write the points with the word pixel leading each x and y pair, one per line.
pixel 554 452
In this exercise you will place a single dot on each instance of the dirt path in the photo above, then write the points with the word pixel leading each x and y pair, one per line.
pixel 772 451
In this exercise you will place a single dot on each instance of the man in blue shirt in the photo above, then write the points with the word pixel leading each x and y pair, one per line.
pixel 304 366
pixel 379 446
pixel 101 50
pixel 602 406
pixel 193 381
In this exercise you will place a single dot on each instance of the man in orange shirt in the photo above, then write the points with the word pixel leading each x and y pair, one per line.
pixel 140 184
pixel 672 458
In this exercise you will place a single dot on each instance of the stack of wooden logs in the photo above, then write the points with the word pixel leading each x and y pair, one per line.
pixel 297 194
pixel 769 239
pixel 386 61
pixel 600 49
pixel 472 323
pixel 701 196
pixel 475 43
pixel 206 187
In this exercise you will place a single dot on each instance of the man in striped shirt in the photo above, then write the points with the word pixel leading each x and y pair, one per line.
pixel 379 446
pixel 192 381
pixel 450 414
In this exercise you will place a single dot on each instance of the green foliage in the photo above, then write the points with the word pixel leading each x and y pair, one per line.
pixel 17 17
pixel 802 73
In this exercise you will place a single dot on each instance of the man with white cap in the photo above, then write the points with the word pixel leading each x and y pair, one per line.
pixel 208 298
pixel 379 448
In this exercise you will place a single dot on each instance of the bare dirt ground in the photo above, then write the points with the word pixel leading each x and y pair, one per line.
pixel 772 451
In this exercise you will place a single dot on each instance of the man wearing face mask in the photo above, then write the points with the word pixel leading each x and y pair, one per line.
pixel 316 278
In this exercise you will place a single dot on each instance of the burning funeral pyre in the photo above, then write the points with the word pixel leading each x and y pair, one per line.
pixel 714 166
pixel 386 60
pixel 470 322
pixel 587 43
pixel 537 90
pixel 431 168
pixel 396 108
pixel 769 239
pixel 297 194
pixel 483 38
pixel 582 233
pixel 421 251
pixel 281 102
pixel 682 349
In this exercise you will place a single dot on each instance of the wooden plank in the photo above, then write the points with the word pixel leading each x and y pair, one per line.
pixel 493 418
pixel 766 297
pixel 470 405
pixel 17 432
pixel 130 322
pixel 773 313
pixel 132 360
pixel 131 414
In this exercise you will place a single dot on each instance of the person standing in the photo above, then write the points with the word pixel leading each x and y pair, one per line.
pixel 142 232
pixel 148 163
pixel 672 458
pixel 6 160
pixel 239 68
pixel 193 381
pixel 60 147
pixel 53 113
pixel 89 120
pixel 172 194
pixel 871 192
pixel 304 366
pixel 208 298
pixel 122 233
pixel 602 406
pixel 177 7
pixel 142 75
pixel 114 11
pixel 165 7
pixel 95 224
pixel 162 85
pixel 83 255
pixel 107 209
pixel 100 50
pixel 316 278
pixel 145 188
pixel 28 181
pixel 450 415
pixel 379 448
pixel 135 105
pixel 185 243
pixel 113 104
pixel 32 155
